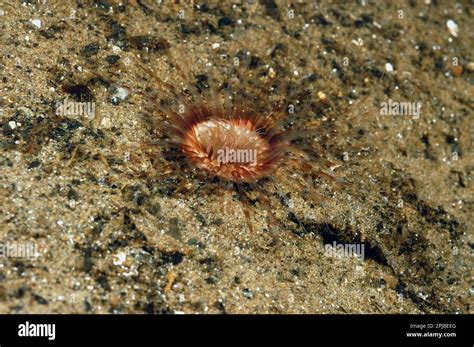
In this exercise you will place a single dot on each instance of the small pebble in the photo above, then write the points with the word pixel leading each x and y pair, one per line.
pixel 271 72
pixel 106 123
pixel 26 111
pixel 322 96
pixel 389 67
pixel 457 70
pixel 248 293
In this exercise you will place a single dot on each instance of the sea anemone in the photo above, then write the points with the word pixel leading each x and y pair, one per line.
pixel 249 132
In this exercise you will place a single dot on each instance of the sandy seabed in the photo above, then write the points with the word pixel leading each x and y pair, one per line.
pixel 104 240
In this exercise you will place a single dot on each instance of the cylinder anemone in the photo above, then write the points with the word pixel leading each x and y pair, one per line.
pixel 234 144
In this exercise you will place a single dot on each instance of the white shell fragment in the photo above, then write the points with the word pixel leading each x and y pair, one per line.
pixel 120 258
pixel 36 23
pixel 121 93
pixel 452 27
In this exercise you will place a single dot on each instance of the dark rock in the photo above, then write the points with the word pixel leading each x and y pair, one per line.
pixel 188 30
pixel 87 305
pixel 201 82
pixel 121 8
pixel 148 249
pixel 64 129
pixel 208 27
pixel 135 194
pixel 20 292
pixel 72 194
pixel 455 147
pixel 39 299
pixel 116 244
pixel 279 48
pixel 88 259
pixel 172 258
pixel 220 306
pixel 103 5
pixel 149 308
pixel 118 35
pixel 255 62
pixel 271 9
pixel 150 43
pixel 80 92
pixel 50 32
pixel 202 7
pixel 364 21
pixel 90 50
pixel 225 21
pixel 320 20
pixel 211 280
pixel 7 130
pixel 376 72
pixel 197 243
pixel 33 164
pixel 103 282
pixel 112 59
